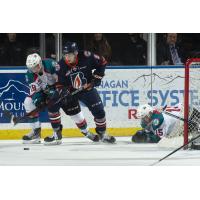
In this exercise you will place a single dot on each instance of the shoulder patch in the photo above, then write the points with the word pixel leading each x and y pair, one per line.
pixel 30 77
pixel 56 65
pixel 87 53
pixel 96 56
pixel 156 122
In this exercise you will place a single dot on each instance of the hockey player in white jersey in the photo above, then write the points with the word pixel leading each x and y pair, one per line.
pixel 156 124
pixel 41 77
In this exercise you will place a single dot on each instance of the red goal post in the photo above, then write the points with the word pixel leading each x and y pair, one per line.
pixel 192 75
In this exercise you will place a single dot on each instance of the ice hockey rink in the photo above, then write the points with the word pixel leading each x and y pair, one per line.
pixel 82 152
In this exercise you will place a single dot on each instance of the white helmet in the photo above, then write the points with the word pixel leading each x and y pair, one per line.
pixel 33 60
pixel 144 110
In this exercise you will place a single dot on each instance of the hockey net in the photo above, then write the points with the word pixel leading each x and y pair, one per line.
pixel 191 98
pixel 184 130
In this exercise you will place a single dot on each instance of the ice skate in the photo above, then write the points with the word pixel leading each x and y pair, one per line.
pixel 55 139
pixel 34 137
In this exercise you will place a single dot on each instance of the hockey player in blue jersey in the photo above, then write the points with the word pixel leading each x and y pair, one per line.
pixel 79 68
pixel 42 78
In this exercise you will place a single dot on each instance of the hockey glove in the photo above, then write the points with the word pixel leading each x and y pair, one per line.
pixel 144 136
pixel 53 95
pixel 96 80
pixel 66 96
pixel 38 100
pixel 139 137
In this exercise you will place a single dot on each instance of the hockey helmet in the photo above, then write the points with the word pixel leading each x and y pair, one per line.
pixel 144 111
pixel 70 47
pixel 34 62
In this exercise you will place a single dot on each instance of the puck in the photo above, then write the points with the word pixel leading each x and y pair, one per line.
pixel 26 149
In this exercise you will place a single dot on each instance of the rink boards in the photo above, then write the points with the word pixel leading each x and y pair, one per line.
pixel 122 90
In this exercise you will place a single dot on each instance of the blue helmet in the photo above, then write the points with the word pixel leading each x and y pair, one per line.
pixel 70 47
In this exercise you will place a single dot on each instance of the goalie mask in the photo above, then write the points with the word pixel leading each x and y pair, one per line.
pixel 34 63
pixel 144 112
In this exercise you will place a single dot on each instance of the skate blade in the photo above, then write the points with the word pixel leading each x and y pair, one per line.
pixel 36 141
pixel 97 139
pixel 108 142
pixel 56 142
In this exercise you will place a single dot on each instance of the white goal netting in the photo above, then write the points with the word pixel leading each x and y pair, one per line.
pixel 190 110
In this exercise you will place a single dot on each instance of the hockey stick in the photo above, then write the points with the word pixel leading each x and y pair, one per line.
pixel 184 145
pixel 181 118
pixel 16 120
pixel 163 110
pixel 198 136
pixel 73 93
pixel 7 114
pixel 175 116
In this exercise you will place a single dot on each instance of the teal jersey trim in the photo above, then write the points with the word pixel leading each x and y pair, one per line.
pixel 156 121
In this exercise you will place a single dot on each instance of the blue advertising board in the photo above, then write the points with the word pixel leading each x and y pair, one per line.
pixel 13 91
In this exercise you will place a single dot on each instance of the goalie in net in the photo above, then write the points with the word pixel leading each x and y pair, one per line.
pixel 166 126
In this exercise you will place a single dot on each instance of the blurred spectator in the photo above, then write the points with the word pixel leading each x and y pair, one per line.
pixel 50 46
pixel 13 51
pixel 32 50
pixel 76 37
pixel 1 50
pixel 169 53
pixel 115 40
pixel 191 45
pixel 134 50
pixel 99 45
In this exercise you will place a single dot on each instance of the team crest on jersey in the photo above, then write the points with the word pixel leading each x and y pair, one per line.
pixel 78 80
pixel 155 122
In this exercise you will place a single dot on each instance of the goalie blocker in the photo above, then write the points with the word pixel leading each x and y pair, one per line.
pixel 145 136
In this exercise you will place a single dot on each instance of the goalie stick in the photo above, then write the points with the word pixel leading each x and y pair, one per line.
pixel 178 117
pixel 15 120
pixel 190 141
pixel 184 145
pixel 163 110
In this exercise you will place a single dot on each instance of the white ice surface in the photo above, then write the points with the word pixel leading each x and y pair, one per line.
pixel 83 152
